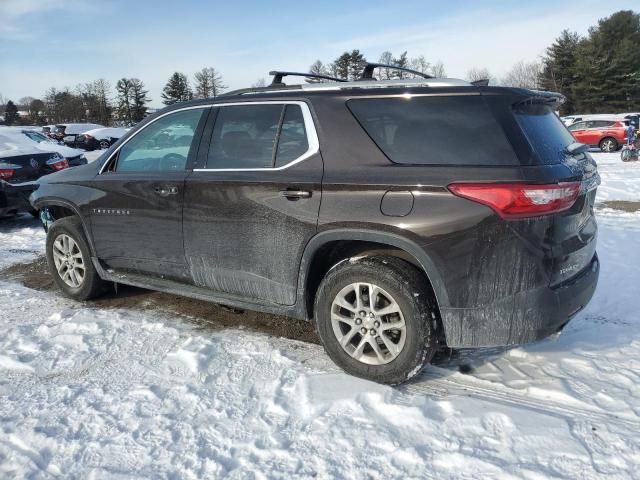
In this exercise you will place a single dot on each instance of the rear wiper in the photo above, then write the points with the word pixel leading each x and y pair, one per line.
pixel 576 148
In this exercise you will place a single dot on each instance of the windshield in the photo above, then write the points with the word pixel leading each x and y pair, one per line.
pixel 36 137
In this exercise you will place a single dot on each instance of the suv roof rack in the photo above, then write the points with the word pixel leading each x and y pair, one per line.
pixel 367 73
pixel 278 75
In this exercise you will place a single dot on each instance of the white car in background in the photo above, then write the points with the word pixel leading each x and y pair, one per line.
pixel 26 137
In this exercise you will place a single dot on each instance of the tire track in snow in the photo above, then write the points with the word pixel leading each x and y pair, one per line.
pixel 433 384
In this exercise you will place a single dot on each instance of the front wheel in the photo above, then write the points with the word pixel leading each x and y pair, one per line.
pixel 608 145
pixel 69 260
pixel 104 144
pixel 374 318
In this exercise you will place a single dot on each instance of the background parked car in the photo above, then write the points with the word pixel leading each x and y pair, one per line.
pixel 67 132
pixel 22 162
pixel 30 138
pixel 608 135
pixel 99 138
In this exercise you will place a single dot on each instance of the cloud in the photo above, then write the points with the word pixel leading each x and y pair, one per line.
pixel 14 14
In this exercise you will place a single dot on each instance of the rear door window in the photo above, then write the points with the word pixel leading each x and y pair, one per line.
pixel 435 130
pixel 256 136
pixel 546 133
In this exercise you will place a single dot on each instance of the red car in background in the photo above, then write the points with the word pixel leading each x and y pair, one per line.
pixel 608 135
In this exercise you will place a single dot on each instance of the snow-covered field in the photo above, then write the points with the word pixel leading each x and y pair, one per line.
pixel 88 392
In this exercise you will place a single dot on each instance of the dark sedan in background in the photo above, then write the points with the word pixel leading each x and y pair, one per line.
pixel 22 163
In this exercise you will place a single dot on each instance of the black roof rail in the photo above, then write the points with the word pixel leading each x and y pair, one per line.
pixel 367 73
pixel 266 89
pixel 277 77
pixel 483 82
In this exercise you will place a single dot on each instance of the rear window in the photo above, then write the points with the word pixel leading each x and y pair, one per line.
pixel 435 130
pixel 546 133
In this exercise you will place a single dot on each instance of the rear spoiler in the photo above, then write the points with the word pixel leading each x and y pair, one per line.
pixel 532 97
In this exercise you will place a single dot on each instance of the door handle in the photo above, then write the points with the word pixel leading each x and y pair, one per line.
pixel 165 191
pixel 295 194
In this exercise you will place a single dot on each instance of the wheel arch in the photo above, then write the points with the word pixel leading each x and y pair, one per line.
pixel 318 258
pixel 61 208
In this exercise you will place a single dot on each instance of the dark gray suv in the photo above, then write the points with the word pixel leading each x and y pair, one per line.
pixel 400 216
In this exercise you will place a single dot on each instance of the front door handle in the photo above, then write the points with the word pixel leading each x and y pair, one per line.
pixel 295 194
pixel 165 190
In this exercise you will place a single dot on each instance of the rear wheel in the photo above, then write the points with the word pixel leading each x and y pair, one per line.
pixel 374 319
pixel 69 260
pixel 104 144
pixel 608 144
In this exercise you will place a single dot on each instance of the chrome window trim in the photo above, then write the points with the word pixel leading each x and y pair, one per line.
pixel 312 136
pixel 309 126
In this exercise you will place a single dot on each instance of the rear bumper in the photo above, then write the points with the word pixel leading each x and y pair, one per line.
pixel 14 197
pixel 521 318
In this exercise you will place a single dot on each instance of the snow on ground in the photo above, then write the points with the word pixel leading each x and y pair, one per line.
pixel 89 392
pixel 620 181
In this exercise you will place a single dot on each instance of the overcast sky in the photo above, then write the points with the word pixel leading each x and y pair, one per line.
pixel 65 42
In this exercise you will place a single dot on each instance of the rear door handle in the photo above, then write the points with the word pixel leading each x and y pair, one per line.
pixel 165 190
pixel 295 194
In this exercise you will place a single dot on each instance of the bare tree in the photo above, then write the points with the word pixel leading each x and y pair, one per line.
pixel 437 70
pixel 420 64
pixel 474 74
pixel 24 102
pixel 386 58
pixel 261 82
pixel 209 83
pixel 524 75
pixel 317 68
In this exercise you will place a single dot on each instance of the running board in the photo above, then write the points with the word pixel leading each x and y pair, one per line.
pixel 191 291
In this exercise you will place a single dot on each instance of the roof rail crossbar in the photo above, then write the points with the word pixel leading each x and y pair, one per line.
pixel 367 73
pixel 483 82
pixel 277 77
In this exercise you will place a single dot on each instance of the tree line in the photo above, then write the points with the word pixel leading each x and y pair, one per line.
pixel 598 72
pixel 97 102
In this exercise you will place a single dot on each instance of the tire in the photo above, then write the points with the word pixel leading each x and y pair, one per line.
pixel 397 358
pixel 104 144
pixel 608 144
pixel 91 285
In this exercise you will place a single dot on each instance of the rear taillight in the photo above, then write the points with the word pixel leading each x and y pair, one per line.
pixel 58 163
pixel 520 200
pixel 7 170
pixel 6 173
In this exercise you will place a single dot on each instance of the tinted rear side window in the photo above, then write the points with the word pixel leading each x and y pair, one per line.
pixel 546 133
pixel 447 130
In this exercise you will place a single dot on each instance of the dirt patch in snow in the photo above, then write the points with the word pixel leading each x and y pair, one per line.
pixel 35 275
pixel 625 206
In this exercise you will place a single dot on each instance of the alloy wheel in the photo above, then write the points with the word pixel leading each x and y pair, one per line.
pixel 368 323
pixel 68 260
pixel 608 146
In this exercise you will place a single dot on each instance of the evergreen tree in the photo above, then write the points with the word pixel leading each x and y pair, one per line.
pixel 177 89
pixel 208 83
pixel 402 62
pixel 125 107
pixel 608 66
pixel 356 64
pixel 559 68
pixel 36 109
pixel 10 113
pixel 139 99
pixel 341 66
